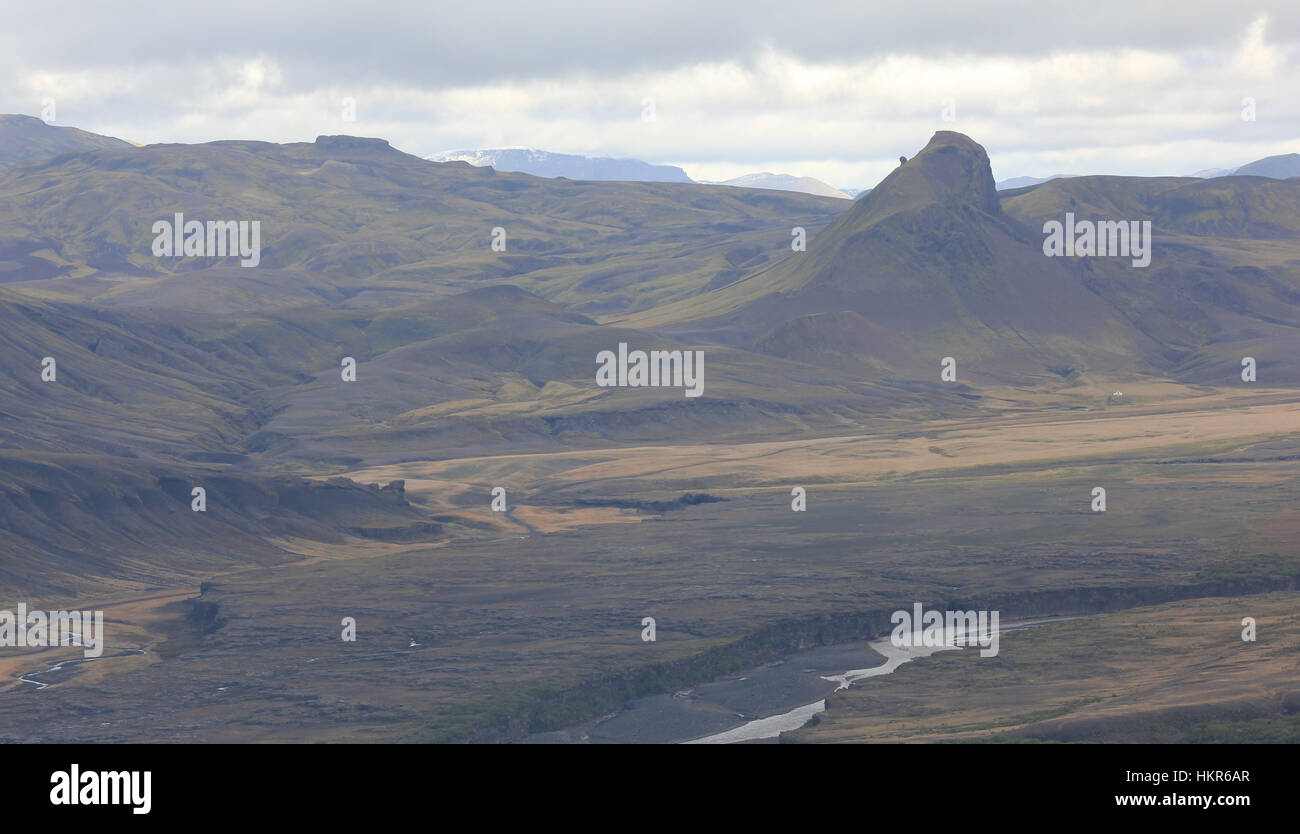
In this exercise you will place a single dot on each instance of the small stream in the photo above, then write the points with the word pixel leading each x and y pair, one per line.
pixel 27 677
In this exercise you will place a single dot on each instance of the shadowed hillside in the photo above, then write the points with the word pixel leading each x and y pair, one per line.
pixel 1224 280
pixel 75 524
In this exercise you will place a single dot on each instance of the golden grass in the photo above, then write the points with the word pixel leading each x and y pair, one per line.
pixel 1191 424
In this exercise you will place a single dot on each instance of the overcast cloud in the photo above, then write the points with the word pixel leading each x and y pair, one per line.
pixel 832 90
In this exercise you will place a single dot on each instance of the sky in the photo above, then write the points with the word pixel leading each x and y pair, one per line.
pixel 833 90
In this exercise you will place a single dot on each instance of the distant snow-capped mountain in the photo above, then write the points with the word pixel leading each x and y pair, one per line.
pixel 1211 173
pixel 1021 182
pixel 786 182
pixel 571 166
pixel 1280 167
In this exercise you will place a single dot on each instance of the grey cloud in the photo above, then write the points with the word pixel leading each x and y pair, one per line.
pixel 460 43
pixel 155 71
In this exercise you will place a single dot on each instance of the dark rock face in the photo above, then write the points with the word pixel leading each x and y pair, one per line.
pixel 955 170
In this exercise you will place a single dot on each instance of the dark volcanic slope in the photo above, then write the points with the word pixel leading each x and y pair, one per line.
pixel 98 463
pixel 70 523
pixel 361 223
pixel 491 370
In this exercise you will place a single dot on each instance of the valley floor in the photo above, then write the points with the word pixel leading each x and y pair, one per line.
pixel 532 620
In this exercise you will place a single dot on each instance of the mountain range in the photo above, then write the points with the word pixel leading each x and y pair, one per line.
pixel 472 304
pixel 375 254
pixel 576 167
pixel 1280 167
pixel 570 166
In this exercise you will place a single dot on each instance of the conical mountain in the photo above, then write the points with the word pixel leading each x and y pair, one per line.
pixel 926 266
